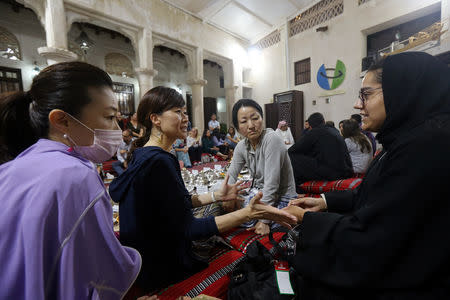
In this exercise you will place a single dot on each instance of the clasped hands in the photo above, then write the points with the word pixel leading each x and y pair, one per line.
pixel 298 207
pixel 230 195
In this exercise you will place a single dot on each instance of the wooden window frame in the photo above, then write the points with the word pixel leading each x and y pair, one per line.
pixel 302 76
pixel 13 80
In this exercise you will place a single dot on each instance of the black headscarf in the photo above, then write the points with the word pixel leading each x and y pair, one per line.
pixel 416 88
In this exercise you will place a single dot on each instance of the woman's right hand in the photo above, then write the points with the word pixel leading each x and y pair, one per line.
pixel 310 204
pixel 261 211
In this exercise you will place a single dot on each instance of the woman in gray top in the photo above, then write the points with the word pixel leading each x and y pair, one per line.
pixel 264 153
pixel 358 145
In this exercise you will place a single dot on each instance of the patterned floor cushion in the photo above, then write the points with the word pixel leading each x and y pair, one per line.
pixel 241 238
pixel 212 281
pixel 318 187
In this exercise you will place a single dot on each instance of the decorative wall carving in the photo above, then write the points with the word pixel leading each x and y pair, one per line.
pixel 9 45
pixel 118 64
pixel 317 14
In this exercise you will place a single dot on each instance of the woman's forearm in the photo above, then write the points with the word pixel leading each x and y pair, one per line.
pixel 233 219
pixel 203 199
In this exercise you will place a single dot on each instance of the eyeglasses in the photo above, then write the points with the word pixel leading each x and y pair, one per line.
pixel 365 92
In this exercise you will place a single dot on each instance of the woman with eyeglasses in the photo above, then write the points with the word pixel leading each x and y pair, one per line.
pixel 389 238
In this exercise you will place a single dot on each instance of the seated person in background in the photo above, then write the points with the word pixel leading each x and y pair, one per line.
pixel 389 238
pixel 330 124
pixel 264 153
pixel 321 154
pixel 213 123
pixel 358 146
pixel 220 142
pixel 284 132
pixel 306 128
pixel 208 145
pixel 119 118
pixel 194 146
pixel 369 134
pixel 181 150
pixel 232 137
pixel 340 126
pixel 121 164
pixel 136 129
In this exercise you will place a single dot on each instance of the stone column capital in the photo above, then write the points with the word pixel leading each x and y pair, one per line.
pixel 146 71
pixel 232 88
pixel 197 81
pixel 57 55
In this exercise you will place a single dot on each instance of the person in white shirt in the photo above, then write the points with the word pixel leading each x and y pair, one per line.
pixel 213 123
pixel 121 164
pixel 285 134
pixel 194 146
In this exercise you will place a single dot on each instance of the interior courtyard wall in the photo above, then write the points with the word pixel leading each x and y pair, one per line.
pixel 30 34
pixel 103 45
pixel 345 40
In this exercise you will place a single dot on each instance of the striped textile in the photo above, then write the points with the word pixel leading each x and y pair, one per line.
pixel 318 187
pixel 212 281
pixel 241 238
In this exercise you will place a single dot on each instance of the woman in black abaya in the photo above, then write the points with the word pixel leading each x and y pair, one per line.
pixel 389 238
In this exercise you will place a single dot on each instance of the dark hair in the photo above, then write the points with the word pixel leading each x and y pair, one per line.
pixel 316 119
pixel 156 101
pixel 377 68
pixel 244 103
pixel 357 118
pixel 24 116
pixel 351 130
pixel 329 124
pixel 204 133
pixel 341 122
pixel 234 131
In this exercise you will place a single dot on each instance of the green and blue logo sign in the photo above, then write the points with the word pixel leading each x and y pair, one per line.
pixel 329 80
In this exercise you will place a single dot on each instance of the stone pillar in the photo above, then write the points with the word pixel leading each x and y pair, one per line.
pixel 197 103
pixel 144 55
pixel 445 17
pixel 145 79
pixel 230 96
pixel 196 81
pixel 55 31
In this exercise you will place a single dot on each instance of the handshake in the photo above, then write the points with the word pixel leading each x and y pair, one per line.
pixel 298 207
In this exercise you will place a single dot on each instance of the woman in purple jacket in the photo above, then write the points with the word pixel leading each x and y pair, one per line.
pixel 57 240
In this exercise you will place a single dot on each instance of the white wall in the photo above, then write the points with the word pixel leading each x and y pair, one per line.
pixel 172 71
pixel 103 45
pixel 30 34
pixel 212 75
pixel 345 39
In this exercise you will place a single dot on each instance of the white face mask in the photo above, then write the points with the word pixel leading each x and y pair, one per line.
pixel 106 143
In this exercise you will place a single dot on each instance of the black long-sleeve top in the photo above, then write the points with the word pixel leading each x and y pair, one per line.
pixel 156 218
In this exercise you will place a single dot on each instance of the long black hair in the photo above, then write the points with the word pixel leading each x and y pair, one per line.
pixel 24 115
pixel 351 130
pixel 156 101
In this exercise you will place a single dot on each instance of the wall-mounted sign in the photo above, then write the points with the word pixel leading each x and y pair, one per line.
pixel 331 78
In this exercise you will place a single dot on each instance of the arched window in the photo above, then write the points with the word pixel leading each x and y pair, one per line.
pixel 9 45
pixel 119 64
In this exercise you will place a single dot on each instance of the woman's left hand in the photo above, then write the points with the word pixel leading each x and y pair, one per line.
pixel 229 192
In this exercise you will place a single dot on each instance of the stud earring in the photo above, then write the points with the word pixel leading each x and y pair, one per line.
pixel 65 136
